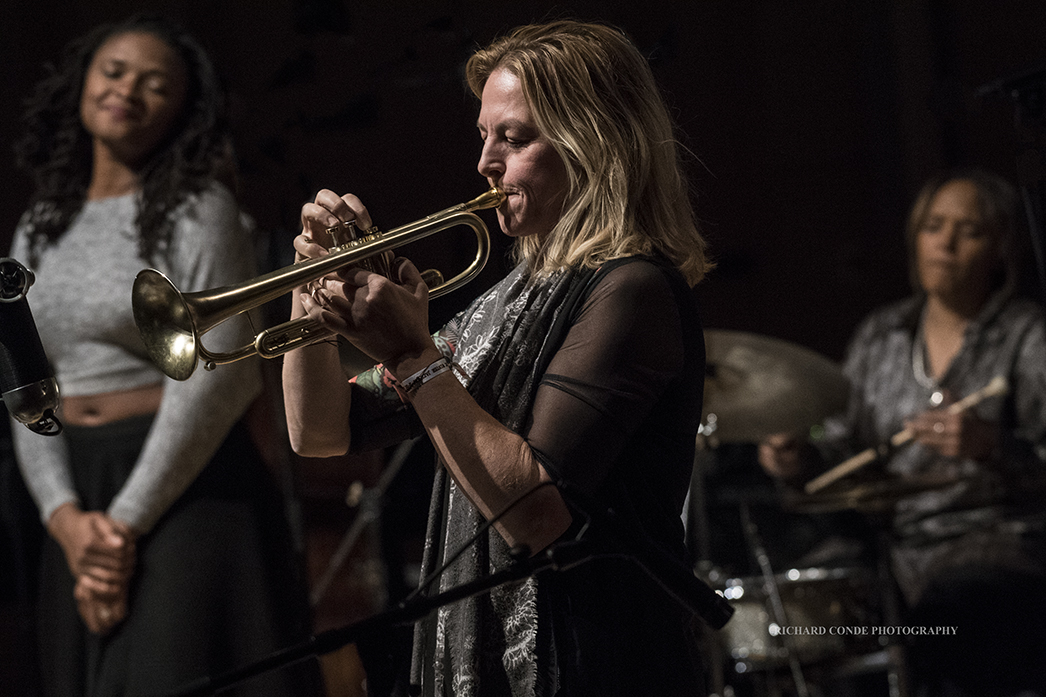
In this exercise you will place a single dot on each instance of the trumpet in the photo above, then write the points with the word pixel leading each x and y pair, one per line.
pixel 171 323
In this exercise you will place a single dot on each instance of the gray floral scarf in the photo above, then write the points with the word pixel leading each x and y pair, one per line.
pixel 493 643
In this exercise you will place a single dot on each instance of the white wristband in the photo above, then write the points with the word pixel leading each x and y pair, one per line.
pixel 438 366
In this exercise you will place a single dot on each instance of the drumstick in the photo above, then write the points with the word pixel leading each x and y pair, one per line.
pixel 997 386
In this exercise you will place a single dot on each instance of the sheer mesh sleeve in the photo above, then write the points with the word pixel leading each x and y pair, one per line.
pixel 614 365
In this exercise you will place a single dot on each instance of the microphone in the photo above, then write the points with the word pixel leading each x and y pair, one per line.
pixel 27 383
pixel 671 574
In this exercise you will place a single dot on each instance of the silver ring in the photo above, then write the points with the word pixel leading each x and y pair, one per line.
pixel 938 427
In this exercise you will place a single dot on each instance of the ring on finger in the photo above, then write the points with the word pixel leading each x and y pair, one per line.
pixel 938 427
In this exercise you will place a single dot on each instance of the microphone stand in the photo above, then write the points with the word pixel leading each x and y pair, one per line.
pixel 369 511
pixel 773 591
pixel 617 540
pixel 561 556
pixel 688 590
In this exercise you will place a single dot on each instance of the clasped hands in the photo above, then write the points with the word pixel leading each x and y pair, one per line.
pixel 385 318
pixel 101 555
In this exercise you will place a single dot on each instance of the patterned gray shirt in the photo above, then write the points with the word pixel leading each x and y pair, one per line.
pixel 994 512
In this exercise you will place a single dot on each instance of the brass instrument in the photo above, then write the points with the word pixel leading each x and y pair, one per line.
pixel 171 322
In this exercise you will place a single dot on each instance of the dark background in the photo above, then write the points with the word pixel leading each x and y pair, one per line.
pixel 811 124
pixel 810 127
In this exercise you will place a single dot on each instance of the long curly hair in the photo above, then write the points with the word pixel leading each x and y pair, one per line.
pixel 594 96
pixel 56 149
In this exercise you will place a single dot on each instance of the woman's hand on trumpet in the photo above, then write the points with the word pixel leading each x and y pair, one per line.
pixel 326 211
pixel 385 318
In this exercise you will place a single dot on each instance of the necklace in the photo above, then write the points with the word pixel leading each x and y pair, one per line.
pixel 919 366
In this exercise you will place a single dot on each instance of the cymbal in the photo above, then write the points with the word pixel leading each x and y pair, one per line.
pixel 867 497
pixel 757 385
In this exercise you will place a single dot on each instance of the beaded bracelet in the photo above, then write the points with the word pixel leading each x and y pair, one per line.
pixel 438 366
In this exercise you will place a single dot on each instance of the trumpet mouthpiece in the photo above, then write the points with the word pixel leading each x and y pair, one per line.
pixel 491 198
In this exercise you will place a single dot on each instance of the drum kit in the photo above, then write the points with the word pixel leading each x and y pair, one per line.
pixel 791 626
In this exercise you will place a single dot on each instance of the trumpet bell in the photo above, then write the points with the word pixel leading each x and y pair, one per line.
pixel 166 324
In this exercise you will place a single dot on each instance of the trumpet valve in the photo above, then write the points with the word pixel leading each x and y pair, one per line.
pixel 342 233
pixel 348 235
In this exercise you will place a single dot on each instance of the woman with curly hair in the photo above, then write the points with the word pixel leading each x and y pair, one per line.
pixel 167 558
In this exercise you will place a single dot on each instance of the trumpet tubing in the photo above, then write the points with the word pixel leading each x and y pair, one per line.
pixel 172 323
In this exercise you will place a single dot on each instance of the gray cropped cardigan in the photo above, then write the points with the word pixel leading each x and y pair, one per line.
pixel 81 303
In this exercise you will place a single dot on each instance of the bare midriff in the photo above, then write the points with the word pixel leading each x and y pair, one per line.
pixel 107 407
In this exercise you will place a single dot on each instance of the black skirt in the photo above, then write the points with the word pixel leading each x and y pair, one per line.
pixel 217 583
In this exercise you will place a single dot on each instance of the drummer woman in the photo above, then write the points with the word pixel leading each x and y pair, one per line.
pixel 971 554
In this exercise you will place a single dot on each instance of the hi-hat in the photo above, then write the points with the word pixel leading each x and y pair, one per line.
pixel 757 385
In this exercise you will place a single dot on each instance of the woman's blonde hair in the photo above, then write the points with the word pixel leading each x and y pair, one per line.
pixel 593 95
